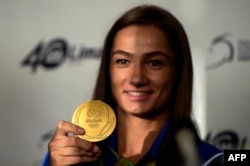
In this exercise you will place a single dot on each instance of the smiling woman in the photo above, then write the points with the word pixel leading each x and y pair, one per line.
pixel 146 76
pixel 141 55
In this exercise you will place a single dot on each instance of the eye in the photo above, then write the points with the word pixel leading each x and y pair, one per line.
pixel 122 61
pixel 155 63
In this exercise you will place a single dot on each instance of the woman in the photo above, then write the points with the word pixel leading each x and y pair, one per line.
pixel 146 76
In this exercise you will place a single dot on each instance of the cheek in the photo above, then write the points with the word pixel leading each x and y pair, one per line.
pixel 164 81
pixel 117 78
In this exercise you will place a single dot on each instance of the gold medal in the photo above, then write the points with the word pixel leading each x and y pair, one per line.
pixel 97 118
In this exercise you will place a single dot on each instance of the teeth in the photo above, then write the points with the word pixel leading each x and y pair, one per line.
pixel 137 93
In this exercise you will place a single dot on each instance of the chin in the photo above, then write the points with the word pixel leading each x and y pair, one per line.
pixel 144 114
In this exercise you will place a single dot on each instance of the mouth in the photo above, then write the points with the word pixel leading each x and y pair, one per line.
pixel 138 93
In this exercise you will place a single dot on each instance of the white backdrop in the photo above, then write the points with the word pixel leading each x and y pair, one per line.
pixel 35 96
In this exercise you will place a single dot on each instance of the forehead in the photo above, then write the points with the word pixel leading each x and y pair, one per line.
pixel 148 32
pixel 142 39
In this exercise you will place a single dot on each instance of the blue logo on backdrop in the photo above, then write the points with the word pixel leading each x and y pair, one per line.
pixel 222 51
pixel 54 53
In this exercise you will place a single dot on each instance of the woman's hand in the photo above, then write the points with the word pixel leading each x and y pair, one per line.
pixel 68 150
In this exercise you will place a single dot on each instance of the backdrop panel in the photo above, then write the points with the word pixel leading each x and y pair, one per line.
pixel 50 52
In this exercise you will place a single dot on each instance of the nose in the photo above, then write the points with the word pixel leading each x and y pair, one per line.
pixel 138 75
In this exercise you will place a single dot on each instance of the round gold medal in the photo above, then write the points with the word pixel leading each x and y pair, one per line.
pixel 97 118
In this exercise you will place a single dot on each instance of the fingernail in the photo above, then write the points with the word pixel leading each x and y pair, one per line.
pixel 80 130
pixel 95 149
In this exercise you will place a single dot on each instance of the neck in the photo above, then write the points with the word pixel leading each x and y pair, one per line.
pixel 136 135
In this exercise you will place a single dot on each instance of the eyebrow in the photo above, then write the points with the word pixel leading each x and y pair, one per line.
pixel 155 53
pixel 151 54
pixel 121 52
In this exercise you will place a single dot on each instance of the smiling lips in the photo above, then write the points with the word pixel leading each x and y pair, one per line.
pixel 142 95
pixel 137 93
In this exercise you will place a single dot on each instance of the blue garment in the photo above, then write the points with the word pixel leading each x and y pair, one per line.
pixel 110 159
pixel 46 160
pixel 207 153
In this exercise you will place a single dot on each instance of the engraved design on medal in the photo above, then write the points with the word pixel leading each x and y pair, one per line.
pixel 94 118
pixel 97 118
pixel 109 124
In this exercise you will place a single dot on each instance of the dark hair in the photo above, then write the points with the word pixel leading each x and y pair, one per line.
pixel 165 21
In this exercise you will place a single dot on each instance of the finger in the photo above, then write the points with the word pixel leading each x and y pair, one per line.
pixel 71 160
pixel 83 144
pixel 74 151
pixel 64 127
pixel 74 142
